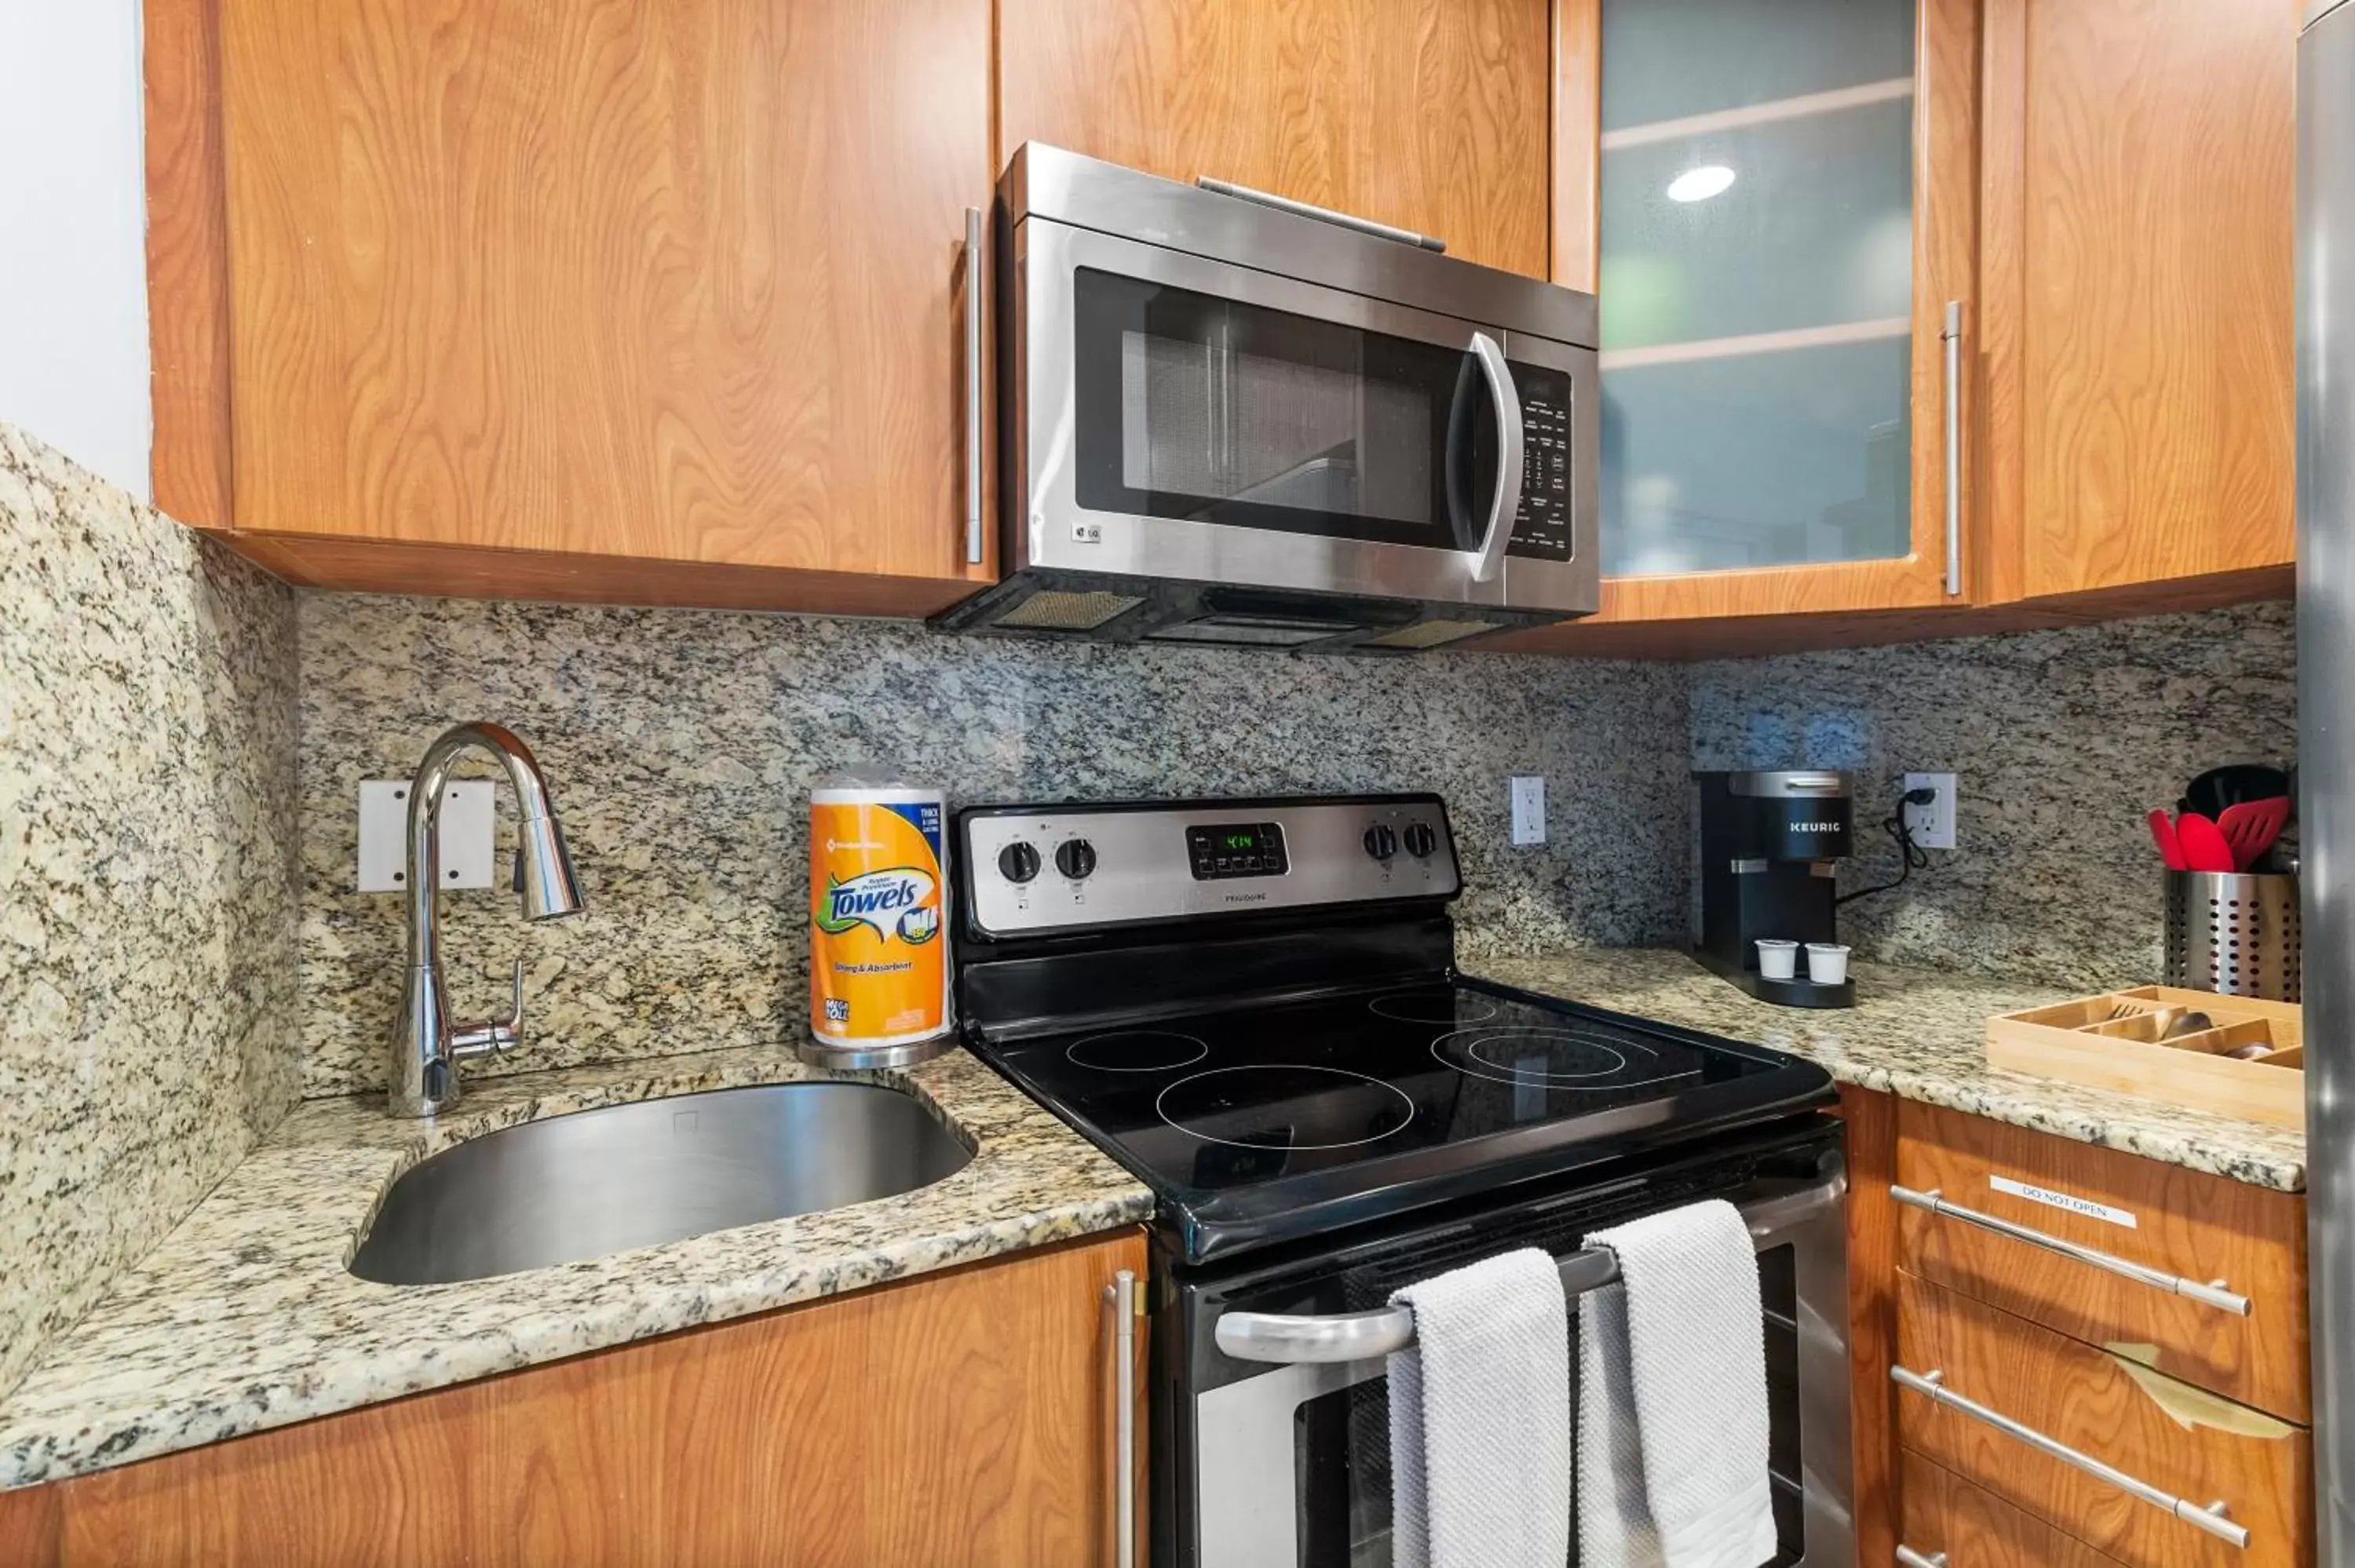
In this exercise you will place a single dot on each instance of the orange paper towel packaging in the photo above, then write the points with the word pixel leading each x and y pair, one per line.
pixel 878 915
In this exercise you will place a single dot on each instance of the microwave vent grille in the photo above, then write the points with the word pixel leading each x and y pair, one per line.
pixel 1429 633
pixel 1053 610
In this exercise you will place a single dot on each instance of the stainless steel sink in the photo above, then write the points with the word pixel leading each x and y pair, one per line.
pixel 599 1182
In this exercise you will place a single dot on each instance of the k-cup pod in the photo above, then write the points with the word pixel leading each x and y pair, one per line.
pixel 1828 962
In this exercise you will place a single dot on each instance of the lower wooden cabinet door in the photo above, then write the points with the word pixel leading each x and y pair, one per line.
pixel 1946 1517
pixel 963 1419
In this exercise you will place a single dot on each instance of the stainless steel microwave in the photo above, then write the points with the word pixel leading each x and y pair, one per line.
pixel 1229 418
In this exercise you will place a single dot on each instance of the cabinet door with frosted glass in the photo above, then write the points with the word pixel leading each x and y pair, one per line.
pixel 1782 199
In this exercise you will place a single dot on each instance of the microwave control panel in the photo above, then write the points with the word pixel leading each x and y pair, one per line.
pixel 1544 529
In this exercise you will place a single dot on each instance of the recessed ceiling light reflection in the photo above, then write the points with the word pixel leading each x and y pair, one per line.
pixel 1701 184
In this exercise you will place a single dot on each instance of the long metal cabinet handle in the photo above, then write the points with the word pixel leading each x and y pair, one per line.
pixel 1287 1338
pixel 1953 338
pixel 1506 509
pixel 2213 1294
pixel 1120 1297
pixel 1931 1386
pixel 1322 214
pixel 977 303
pixel 1909 1557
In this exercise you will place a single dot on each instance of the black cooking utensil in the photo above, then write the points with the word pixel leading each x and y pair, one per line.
pixel 2220 789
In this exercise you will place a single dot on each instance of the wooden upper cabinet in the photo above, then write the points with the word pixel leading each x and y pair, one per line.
pixel 1427 114
pixel 2103 190
pixel 1775 204
pixel 673 283
pixel 2140 204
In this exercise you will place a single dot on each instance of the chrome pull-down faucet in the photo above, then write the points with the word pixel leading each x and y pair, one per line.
pixel 426 1046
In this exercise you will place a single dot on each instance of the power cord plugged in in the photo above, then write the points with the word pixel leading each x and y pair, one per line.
pixel 1910 856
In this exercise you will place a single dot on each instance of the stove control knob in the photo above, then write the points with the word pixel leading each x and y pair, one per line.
pixel 1381 841
pixel 1018 861
pixel 1421 840
pixel 1075 858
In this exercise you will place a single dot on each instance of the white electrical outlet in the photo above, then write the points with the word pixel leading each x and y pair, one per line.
pixel 1529 808
pixel 466 834
pixel 1932 826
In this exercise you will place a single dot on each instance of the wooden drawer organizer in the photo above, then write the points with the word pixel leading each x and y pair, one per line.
pixel 2117 1041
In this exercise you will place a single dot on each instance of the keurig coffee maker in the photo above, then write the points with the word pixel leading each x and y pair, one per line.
pixel 1768 848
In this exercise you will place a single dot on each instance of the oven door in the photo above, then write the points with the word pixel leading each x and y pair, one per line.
pixel 1290 1463
pixel 1183 418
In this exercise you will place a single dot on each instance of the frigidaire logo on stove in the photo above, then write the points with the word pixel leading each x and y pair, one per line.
pixel 1246 897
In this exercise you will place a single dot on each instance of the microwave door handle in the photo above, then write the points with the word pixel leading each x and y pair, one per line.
pixel 1489 558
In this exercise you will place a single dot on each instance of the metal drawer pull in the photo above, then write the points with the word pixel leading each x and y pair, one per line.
pixel 2212 1294
pixel 1909 1557
pixel 1289 1338
pixel 1322 214
pixel 1931 1386
pixel 1120 1297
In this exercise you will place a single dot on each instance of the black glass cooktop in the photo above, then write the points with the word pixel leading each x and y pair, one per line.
pixel 1257 1124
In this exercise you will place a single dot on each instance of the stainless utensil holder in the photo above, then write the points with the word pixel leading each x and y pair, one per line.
pixel 2234 935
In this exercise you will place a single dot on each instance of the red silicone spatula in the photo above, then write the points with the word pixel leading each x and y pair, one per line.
pixel 2250 828
pixel 2162 834
pixel 2204 845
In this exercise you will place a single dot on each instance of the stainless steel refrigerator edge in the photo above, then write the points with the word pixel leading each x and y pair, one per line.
pixel 2326 722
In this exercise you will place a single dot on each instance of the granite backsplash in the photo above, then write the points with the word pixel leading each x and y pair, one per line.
pixel 682 746
pixel 2063 742
pixel 147 853
pixel 182 954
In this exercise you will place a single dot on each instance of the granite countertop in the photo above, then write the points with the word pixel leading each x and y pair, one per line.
pixel 1920 1035
pixel 244 1317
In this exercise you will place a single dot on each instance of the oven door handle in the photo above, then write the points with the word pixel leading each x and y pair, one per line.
pixel 1290 1338
pixel 1504 510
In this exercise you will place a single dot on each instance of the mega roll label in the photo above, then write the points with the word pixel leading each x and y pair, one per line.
pixel 878 954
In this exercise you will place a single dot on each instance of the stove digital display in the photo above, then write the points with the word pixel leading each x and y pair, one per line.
pixel 1235 849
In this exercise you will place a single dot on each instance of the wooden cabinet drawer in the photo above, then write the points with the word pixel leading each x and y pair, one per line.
pixel 2183 1225
pixel 1971 1527
pixel 2152 1429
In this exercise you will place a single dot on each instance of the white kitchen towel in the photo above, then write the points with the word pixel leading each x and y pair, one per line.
pixel 1480 1419
pixel 1672 1424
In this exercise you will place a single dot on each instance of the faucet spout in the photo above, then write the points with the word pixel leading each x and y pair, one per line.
pixel 426 1045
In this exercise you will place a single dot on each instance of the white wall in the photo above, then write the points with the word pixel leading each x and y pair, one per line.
pixel 73 214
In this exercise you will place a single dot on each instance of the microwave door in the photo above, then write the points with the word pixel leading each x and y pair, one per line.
pixel 1192 419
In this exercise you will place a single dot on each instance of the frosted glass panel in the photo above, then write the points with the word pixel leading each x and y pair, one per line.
pixel 1665 59
pixel 1756 282
pixel 1816 228
pixel 1756 460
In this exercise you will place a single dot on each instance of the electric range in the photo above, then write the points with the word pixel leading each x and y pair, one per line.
pixel 1254 1005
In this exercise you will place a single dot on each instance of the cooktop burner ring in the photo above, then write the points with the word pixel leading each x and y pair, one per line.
pixel 1161 1106
pixel 1180 1051
pixel 1467 1059
pixel 1398 1008
pixel 1506 1038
